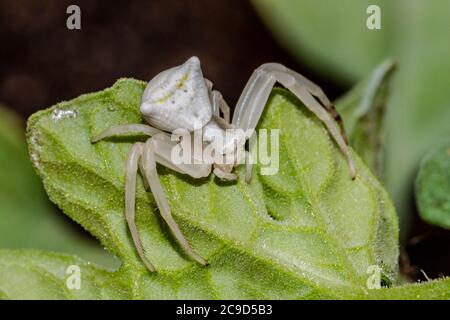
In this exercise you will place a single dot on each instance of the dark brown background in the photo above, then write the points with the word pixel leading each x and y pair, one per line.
pixel 42 62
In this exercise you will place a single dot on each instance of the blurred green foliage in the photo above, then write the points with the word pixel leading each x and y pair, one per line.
pixel 333 38
pixel 433 187
pixel 27 219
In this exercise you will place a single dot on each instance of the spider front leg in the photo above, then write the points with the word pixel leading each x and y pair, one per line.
pixel 151 151
pixel 256 93
pixel 130 200
pixel 144 157
pixel 316 91
pixel 126 129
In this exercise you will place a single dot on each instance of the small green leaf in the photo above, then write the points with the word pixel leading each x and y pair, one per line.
pixel 307 232
pixel 433 187
pixel 362 110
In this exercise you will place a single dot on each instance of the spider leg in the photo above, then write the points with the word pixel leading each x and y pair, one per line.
pixel 141 170
pixel 248 168
pixel 219 104
pixel 130 200
pixel 150 150
pixel 315 90
pixel 163 147
pixel 226 176
pixel 256 93
pixel 143 157
pixel 126 129
pixel 252 100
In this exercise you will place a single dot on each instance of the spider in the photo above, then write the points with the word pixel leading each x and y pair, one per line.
pixel 181 97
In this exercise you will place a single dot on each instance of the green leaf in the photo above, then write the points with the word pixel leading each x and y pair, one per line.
pixel 307 232
pixel 332 37
pixel 27 219
pixel 430 290
pixel 27 274
pixel 37 275
pixel 362 110
pixel 10 128
pixel 433 187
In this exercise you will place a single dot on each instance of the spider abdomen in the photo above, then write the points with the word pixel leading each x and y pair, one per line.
pixel 177 98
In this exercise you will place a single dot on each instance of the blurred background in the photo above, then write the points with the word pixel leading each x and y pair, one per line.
pixel 42 63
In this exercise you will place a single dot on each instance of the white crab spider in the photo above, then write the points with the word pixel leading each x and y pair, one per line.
pixel 181 96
